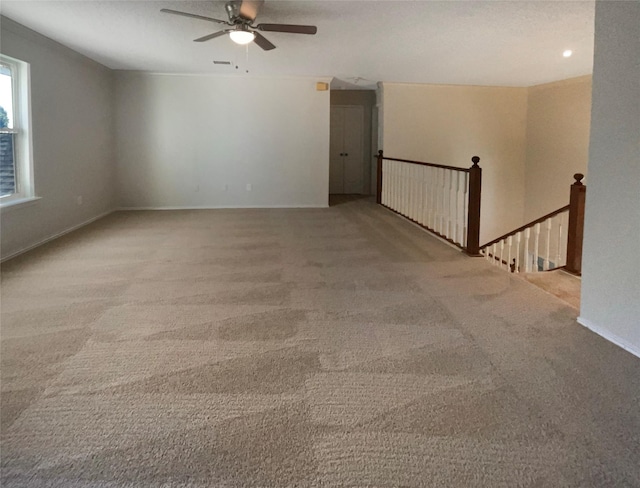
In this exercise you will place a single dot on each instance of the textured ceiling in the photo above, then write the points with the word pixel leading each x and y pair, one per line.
pixel 515 43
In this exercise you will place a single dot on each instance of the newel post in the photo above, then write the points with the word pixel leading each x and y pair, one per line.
pixel 379 180
pixel 473 221
pixel 576 225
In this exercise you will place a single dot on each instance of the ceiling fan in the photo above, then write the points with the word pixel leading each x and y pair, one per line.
pixel 242 14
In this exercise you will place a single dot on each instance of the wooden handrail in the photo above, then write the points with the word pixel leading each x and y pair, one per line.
pixel 472 247
pixel 423 163
pixel 530 224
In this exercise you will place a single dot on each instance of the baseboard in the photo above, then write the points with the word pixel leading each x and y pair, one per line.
pixel 605 334
pixel 55 236
pixel 220 207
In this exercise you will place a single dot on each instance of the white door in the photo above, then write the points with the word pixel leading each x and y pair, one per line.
pixel 346 165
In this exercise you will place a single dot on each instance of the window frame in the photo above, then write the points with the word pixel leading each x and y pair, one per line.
pixel 21 130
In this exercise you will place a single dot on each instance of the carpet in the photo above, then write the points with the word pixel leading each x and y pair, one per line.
pixel 299 347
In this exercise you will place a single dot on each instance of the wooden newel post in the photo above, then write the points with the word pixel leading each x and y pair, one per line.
pixel 576 225
pixel 379 170
pixel 473 222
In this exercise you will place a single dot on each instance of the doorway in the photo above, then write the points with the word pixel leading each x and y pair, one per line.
pixel 346 152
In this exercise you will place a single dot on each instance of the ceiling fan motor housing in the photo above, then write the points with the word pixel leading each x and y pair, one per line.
pixel 233 11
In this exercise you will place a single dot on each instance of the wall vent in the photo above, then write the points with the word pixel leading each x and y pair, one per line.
pixel 222 62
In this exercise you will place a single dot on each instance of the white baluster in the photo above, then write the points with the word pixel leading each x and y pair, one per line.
pixel 389 178
pixel 434 197
pixel 409 190
pixel 387 181
pixel 392 182
pixel 425 196
pixel 509 243
pixel 392 187
pixel 495 255
pixel 536 245
pixel 412 191
pixel 416 191
pixel 559 248
pixel 501 253
pixel 409 201
pixel 457 230
pixel 382 196
pixel 450 233
pixel 398 186
pixel 518 238
pixel 403 189
pixel 396 205
pixel 429 186
pixel 527 259
pixel 545 264
pixel 443 215
pixel 465 207
pixel 419 194
pixel 416 186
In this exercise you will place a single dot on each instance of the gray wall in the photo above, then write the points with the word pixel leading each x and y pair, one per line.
pixel 611 260
pixel 188 141
pixel 73 140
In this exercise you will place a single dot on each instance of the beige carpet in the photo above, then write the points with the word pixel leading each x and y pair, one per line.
pixel 309 348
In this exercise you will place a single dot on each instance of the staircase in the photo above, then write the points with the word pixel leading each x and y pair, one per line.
pixel 550 242
pixel 445 201
pixel 559 283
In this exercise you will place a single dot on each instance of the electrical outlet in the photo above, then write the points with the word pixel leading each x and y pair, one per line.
pixel 79 199
pixel 249 187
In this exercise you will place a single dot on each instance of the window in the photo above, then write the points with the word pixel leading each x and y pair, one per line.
pixel 16 169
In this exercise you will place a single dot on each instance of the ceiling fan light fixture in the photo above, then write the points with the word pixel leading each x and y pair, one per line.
pixel 242 36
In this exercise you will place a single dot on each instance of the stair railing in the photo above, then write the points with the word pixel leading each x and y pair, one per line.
pixel 550 242
pixel 444 200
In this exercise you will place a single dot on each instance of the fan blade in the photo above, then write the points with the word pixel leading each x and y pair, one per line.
pixel 249 9
pixel 210 36
pixel 193 16
pixel 292 29
pixel 263 42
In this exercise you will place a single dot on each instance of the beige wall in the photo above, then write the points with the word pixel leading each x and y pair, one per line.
pixel 450 124
pixel 558 120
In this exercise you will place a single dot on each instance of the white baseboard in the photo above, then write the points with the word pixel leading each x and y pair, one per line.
pixel 635 350
pixel 55 236
pixel 220 207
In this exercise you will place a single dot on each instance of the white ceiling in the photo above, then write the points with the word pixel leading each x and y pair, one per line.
pixel 514 43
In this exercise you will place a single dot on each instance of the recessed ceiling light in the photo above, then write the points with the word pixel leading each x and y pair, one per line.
pixel 567 53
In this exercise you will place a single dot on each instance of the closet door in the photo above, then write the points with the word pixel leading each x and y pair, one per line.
pixel 346 165
pixel 353 150
pixel 336 142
